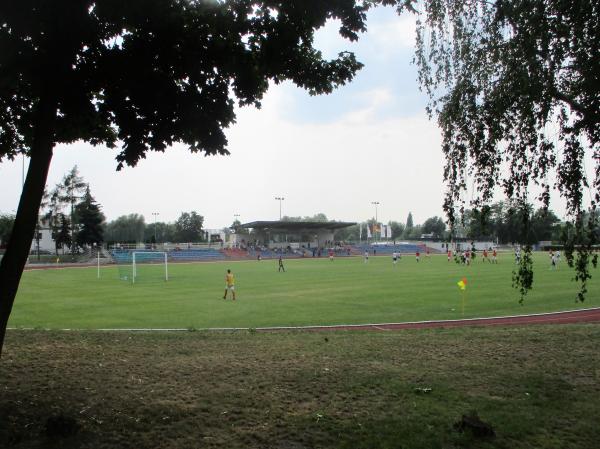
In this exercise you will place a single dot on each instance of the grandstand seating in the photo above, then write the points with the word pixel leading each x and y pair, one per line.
pixel 236 253
pixel 264 253
pixel 195 254
pixel 121 256
pixel 125 256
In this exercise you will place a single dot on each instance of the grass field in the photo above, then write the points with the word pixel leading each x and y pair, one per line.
pixel 537 386
pixel 310 292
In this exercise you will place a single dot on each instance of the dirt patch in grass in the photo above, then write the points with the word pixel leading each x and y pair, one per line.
pixel 537 387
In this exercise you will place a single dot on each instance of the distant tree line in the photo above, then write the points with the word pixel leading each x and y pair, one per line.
pixel 434 226
pixel 501 222
pixel 75 220
pixel 133 228
pixel 320 217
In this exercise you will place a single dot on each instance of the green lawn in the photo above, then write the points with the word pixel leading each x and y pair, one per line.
pixel 311 292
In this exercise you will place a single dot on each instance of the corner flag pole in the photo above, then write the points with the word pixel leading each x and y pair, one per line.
pixel 462 284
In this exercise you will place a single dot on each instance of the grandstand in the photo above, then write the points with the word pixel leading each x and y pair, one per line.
pixel 269 240
pixel 195 254
pixel 294 234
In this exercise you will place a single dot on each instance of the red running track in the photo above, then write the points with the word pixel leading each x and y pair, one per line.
pixel 569 317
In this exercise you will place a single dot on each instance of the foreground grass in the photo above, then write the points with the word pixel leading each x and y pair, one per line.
pixel 311 292
pixel 537 386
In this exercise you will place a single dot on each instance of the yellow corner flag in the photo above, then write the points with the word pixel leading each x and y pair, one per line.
pixel 462 284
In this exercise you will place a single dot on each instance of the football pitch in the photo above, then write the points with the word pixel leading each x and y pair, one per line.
pixel 310 292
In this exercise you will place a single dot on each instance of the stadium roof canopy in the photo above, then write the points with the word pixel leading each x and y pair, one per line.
pixel 297 225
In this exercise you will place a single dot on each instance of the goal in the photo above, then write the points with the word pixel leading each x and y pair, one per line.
pixel 149 264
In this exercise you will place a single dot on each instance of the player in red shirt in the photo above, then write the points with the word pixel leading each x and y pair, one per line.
pixel 418 254
pixel 449 255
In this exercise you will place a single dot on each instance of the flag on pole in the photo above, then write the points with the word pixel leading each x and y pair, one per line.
pixel 462 284
pixel 368 231
pixel 389 232
pixel 360 231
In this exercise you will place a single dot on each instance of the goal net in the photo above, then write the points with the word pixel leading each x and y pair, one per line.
pixel 149 265
pixel 140 266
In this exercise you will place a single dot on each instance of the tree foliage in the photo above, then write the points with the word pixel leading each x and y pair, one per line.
pixel 159 232
pixel 91 221
pixel 51 213
pixel 503 221
pixel 188 227
pixel 6 225
pixel 126 229
pixel 347 234
pixel 413 233
pixel 435 226
pixel 320 217
pixel 72 188
pixel 62 232
pixel 65 194
pixel 236 225
pixel 409 221
pixel 397 229
pixel 515 84
pixel 185 62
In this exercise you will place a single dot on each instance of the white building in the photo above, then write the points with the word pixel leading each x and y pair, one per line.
pixel 43 238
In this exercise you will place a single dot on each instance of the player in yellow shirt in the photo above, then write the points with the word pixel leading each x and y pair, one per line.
pixel 229 284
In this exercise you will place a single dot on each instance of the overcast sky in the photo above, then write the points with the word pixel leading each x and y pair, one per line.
pixel 368 141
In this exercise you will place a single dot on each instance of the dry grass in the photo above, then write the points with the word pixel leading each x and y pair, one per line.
pixel 537 386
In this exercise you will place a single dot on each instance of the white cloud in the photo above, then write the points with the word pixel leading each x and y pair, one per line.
pixel 374 99
pixel 394 34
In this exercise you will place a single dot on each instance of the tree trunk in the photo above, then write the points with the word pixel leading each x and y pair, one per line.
pixel 19 245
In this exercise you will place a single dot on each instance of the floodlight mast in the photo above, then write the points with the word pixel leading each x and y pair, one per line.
pixel 156 214
pixel 376 203
pixel 280 199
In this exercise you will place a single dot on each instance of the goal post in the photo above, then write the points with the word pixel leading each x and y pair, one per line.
pixel 148 257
